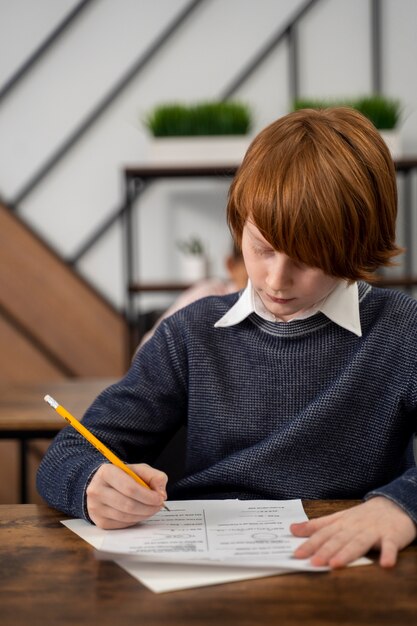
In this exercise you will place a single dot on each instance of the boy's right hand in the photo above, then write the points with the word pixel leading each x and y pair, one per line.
pixel 115 500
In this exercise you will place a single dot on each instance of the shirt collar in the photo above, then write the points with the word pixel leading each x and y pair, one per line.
pixel 341 306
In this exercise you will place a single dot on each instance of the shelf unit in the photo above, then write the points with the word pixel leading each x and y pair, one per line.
pixel 138 179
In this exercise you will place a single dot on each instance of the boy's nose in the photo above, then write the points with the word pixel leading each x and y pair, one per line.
pixel 279 276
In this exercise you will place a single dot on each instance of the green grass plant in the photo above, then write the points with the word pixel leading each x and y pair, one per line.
pixel 205 118
pixel 384 113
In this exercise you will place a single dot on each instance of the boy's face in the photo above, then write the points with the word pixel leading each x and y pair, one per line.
pixel 285 286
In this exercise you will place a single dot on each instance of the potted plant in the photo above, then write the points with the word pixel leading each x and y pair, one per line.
pixel 193 261
pixel 384 113
pixel 205 132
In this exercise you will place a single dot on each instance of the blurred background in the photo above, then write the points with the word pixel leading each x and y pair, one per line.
pixel 80 222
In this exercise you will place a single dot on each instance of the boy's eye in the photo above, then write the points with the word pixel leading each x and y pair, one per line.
pixel 262 250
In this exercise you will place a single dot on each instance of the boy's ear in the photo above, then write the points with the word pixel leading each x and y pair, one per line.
pixel 237 271
pixel 230 263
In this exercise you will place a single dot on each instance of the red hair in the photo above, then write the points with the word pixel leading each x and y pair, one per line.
pixel 320 186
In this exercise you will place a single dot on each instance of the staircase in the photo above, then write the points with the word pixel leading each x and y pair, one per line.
pixel 53 324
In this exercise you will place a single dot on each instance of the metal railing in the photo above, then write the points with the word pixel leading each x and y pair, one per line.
pixel 132 73
pixel 44 47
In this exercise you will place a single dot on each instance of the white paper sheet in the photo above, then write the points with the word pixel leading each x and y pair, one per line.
pixel 205 542
pixel 164 577
pixel 251 533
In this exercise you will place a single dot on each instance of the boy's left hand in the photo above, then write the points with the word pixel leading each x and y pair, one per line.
pixel 336 540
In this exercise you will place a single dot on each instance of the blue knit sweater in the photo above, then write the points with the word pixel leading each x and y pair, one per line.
pixel 273 410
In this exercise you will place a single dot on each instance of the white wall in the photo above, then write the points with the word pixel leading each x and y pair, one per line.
pixel 197 64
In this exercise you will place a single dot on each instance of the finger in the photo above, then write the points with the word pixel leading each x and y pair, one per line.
pixel 126 485
pixel 110 524
pixel 301 529
pixel 108 518
pixel 343 550
pixel 335 545
pixel 305 529
pixel 344 547
pixel 126 507
pixel 389 553
pixel 153 477
pixel 316 540
pixel 108 505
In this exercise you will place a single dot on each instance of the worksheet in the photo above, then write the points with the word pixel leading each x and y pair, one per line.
pixel 250 533
pixel 163 577
pixel 199 543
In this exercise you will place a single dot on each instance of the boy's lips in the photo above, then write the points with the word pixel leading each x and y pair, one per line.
pixel 280 300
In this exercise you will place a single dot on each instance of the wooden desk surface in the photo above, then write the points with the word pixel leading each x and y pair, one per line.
pixel 22 407
pixel 48 575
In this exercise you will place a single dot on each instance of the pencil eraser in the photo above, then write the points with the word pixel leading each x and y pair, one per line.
pixel 51 401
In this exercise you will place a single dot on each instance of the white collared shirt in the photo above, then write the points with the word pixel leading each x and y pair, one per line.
pixel 341 306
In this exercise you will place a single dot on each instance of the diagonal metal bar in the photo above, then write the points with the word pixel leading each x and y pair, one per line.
pixel 269 47
pixel 105 225
pixel 108 99
pixel 98 233
pixel 293 61
pixel 376 45
pixel 53 37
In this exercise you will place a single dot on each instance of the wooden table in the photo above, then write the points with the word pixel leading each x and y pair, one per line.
pixel 48 575
pixel 25 416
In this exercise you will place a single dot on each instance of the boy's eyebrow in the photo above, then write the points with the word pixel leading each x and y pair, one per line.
pixel 256 235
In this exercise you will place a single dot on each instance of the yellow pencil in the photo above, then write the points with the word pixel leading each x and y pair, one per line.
pixel 95 442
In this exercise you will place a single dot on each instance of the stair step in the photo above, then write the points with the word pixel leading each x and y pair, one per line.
pixel 54 310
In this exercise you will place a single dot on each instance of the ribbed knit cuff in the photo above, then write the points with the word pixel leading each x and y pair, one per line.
pixel 87 482
pixel 402 491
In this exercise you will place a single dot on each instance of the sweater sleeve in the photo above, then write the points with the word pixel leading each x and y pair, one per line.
pixel 134 417
pixel 403 490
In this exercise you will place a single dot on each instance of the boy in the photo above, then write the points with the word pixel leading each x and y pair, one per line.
pixel 304 385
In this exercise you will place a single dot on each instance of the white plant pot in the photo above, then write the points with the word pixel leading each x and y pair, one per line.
pixel 224 150
pixel 193 267
pixel 393 140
